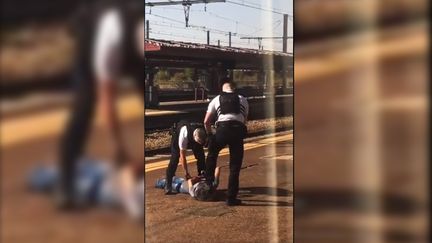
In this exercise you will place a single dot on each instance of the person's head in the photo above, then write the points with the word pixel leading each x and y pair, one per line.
pixel 228 87
pixel 202 191
pixel 200 136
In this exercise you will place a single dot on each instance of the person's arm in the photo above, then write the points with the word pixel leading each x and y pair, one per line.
pixel 209 117
pixel 245 108
pixel 208 120
pixel 107 105
pixel 184 162
pixel 216 175
pixel 217 172
pixel 190 183
pixel 183 145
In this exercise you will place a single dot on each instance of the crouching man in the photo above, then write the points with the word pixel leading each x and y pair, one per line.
pixel 185 135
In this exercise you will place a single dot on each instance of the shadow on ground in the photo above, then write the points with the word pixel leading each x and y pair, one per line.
pixel 252 196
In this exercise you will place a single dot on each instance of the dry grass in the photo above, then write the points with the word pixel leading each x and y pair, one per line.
pixel 157 140
pixel 162 139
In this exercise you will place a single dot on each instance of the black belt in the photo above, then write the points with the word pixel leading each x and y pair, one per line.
pixel 230 124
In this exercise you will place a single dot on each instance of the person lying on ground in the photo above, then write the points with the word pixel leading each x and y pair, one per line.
pixel 97 183
pixel 197 187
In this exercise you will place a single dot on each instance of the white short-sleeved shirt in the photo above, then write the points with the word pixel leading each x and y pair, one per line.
pixel 107 51
pixel 183 138
pixel 241 117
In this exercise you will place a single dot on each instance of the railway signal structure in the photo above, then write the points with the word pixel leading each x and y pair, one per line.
pixel 186 5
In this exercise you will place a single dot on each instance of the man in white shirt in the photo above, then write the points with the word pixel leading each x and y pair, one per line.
pixel 108 45
pixel 229 111
pixel 185 135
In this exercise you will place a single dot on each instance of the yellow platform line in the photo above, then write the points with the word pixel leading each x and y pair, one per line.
pixel 162 112
pixel 18 130
pixel 248 146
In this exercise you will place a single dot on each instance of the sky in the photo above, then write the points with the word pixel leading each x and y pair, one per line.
pixel 168 22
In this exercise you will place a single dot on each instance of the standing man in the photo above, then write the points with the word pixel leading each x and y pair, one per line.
pixel 109 45
pixel 185 135
pixel 230 111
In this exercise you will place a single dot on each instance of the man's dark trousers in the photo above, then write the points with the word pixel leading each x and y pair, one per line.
pixel 77 128
pixel 231 134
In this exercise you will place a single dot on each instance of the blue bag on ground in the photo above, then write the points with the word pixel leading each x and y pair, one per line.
pixel 43 178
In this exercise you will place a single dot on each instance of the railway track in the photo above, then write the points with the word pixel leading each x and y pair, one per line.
pixel 331 19
pixel 260 108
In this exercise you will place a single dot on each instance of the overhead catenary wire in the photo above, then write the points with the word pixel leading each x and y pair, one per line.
pixel 258 8
pixel 159 16
pixel 259 5
pixel 220 17
pixel 172 22
pixel 181 2
pixel 203 40
pixel 203 28
pixel 181 28
pixel 197 27
pixel 216 15
pixel 226 18
pixel 190 36
pixel 185 3
pixel 175 35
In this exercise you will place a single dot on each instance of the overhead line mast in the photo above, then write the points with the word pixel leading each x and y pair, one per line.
pixel 186 5
pixel 284 37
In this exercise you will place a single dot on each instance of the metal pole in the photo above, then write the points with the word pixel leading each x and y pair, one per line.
pixel 150 95
pixel 147 29
pixel 208 37
pixel 285 33
pixel 229 39
pixel 219 43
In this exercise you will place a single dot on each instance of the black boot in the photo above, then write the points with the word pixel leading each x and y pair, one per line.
pixel 168 187
pixel 233 202
pixel 168 190
pixel 66 201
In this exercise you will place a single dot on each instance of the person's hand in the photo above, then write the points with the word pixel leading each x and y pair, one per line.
pixel 210 140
